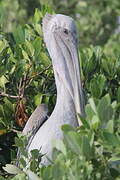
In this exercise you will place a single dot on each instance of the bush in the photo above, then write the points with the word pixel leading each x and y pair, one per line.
pixel 26 79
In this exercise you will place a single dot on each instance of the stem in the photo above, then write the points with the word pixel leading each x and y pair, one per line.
pixel 8 95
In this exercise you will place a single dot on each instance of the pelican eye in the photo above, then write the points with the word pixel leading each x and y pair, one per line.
pixel 66 31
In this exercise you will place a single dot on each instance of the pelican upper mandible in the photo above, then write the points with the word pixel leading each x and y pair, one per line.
pixel 60 37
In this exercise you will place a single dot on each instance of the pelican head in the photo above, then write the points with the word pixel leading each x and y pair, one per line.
pixel 60 36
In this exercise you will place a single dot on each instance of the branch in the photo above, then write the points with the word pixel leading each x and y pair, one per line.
pixel 14 130
pixel 28 79
pixel 23 84
pixel 8 95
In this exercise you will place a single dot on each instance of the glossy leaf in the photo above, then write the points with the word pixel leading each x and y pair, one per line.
pixel 73 141
pixel 19 35
pixel 12 169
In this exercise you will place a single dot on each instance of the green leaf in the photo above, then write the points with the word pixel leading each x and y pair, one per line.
pixel 93 106
pixel 73 141
pixel 89 112
pixel 95 122
pixel 110 126
pixel 8 104
pixel 67 128
pixel 105 113
pixel 105 101
pixel 2 178
pixel 2 112
pixel 37 44
pixel 91 137
pixel 25 55
pixel 101 80
pixel 44 59
pixel 11 169
pixel 19 35
pixel 58 171
pixel 38 28
pixel 37 16
pixel 114 104
pixel 23 162
pixel 47 172
pixel 38 99
pixel 97 85
pixel 118 94
pixel 19 142
pixel 3 81
pixel 91 65
pixel 3 45
pixel 59 145
pixel 84 121
pixel 86 150
pixel 28 47
pixel 114 158
pixel 104 109
pixel 111 139
pixel 94 87
pixel 35 153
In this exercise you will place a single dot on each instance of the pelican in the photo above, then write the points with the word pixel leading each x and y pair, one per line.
pixel 60 37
